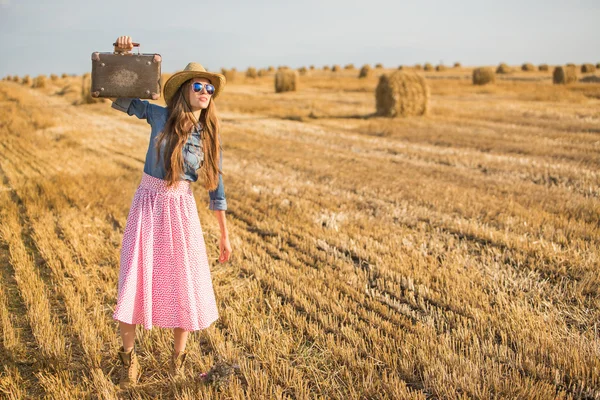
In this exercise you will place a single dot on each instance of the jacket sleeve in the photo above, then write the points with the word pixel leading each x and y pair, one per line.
pixel 217 196
pixel 134 106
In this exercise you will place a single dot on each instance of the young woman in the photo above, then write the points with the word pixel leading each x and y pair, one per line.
pixel 164 276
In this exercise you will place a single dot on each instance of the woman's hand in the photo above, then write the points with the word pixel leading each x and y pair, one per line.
pixel 124 44
pixel 224 249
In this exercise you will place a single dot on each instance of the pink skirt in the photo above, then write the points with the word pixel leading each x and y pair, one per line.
pixel 164 275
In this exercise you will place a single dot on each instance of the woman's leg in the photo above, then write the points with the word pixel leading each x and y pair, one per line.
pixel 127 335
pixel 180 339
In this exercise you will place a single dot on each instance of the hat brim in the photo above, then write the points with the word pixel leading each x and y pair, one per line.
pixel 178 78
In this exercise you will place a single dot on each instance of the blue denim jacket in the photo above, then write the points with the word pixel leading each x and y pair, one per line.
pixel 193 155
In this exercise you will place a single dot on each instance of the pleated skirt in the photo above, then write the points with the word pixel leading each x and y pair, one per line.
pixel 164 274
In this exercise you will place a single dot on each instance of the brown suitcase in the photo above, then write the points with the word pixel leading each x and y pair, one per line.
pixel 126 75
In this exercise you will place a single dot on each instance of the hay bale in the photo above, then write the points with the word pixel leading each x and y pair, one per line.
pixel 503 68
pixel 564 75
pixel 418 67
pixel 270 69
pixel 598 66
pixel 39 81
pixel 401 93
pixel 400 67
pixel 365 71
pixel 457 65
pixel 326 68
pixel 335 68
pixel 251 72
pixel 262 72
pixel 16 79
pixel 378 66
pixel 53 77
pixel 588 68
pixel 302 70
pixel 571 65
pixel 483 76
pixel 441 68
pixel 528 67
pixel 286 80
pixel 26 80
pixel 312 67
pixel 428 67
pixel 64 75
pixel 349 66
pixel 230 74
pixel 544 67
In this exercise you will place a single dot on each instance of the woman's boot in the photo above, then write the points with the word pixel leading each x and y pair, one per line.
pixel 130 371
pixel 177 369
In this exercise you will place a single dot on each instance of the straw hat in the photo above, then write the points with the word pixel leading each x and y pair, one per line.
pixel 193 70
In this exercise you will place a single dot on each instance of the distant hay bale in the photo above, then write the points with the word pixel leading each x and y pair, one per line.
pixel 39 81
pixel 16 79
pixel 528 67
pixel 349 66
pixel 544 67
pixel 457 65
pixel 571 65
pixel 302 70
pixel 262 72
pixel 378 65
pixel 312 67
pixel 418 67
pixel 64 75
pixel 401 94
pixel 230 74
pixel 280 67
pixel 588 68
pixel 503 68
pixel 270 69
pixel 598 66
pixel 428 67
pixel 286 80
pixel 400 67
pixel 564 75
pixel 365 71
pixel 335 68
pixel 251 72
pixel 483 76
pixel 53 77
pixel 26 80
pixel 441 67
pixel 326 68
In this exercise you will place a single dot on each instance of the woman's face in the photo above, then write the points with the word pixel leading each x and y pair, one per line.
pixel 199 100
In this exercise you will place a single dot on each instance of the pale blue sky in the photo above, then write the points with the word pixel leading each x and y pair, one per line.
pixel 59 36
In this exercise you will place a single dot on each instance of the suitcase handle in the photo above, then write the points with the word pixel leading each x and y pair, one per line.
pixel 134 44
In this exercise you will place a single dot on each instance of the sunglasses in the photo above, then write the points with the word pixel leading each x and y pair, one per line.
pixel 197 87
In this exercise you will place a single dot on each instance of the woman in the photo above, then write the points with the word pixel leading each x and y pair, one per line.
pixel 164 276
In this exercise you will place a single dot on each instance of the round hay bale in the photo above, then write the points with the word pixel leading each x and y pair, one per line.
pixel 400 67
pixel 528 67
pixel 262 72
pixel 544 67
pixel 7 78
pixel 503 68
pixel 571 65
pixel 457 65
pixel 270 69
pixel 53 77
pixel 378 65
pixel 16 79
pixel 598 66
pixel 588 68
pixel 251 72
pixel 418 67
pixel 326 68
pixel 286 80
pixel 441 67
pixel 335 68
pixel 365 71
pixel 302 70
pixel 26 80
pixel 312 67
pixel 401 93
pixel 349 66
pixel 64 75
pixel 230 74
pixel 483 76
pixel 564 75
pixel 39 82
pixel 428 67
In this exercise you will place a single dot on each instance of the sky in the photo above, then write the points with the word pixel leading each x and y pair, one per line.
pixel 58 36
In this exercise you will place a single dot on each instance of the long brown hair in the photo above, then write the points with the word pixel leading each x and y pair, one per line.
pixel 180 123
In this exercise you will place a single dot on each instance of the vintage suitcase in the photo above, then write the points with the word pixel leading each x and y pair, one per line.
pixel 126 75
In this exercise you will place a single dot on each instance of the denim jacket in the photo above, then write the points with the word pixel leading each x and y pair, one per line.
pixel 193 155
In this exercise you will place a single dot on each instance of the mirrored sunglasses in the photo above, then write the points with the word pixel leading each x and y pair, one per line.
pixel 197 87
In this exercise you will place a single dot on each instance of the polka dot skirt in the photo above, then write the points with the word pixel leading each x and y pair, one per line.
pixel 164 276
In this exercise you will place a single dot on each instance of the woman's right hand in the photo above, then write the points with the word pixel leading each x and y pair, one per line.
pixel 124 44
